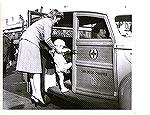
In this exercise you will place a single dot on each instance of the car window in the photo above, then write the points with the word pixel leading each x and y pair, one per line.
pixel 124 25
pixel 92 28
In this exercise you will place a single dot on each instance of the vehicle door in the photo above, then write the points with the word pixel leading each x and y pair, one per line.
pixel 93 59
pixel 34 16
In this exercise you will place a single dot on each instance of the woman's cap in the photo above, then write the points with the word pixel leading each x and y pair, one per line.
pixel 55 12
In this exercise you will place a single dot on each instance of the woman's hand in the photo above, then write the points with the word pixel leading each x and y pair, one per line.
pixel 57 50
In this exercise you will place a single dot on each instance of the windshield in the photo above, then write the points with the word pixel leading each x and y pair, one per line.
pixel 124 25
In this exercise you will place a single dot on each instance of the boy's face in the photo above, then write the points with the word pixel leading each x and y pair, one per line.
pixel 59 47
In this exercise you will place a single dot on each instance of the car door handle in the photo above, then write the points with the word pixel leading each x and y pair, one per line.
pixel 74 52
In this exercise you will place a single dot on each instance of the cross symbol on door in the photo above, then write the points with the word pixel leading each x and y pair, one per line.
pixel 93 53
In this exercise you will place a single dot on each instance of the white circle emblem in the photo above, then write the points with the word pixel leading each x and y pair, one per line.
pixel 93 53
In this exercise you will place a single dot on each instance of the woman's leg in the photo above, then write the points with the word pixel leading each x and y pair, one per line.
pixel 37 87
pixel 33 90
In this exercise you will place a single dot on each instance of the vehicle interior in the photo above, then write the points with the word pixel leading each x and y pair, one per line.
pixel 64 30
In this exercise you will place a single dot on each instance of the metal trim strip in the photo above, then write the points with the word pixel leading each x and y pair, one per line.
pixel 98 95
pixel 95 43
pixel 94 64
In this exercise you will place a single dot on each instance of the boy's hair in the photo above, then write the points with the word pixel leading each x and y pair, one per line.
pixel 59 42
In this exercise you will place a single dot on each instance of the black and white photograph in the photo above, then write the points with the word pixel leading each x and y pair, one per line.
pixel 67 55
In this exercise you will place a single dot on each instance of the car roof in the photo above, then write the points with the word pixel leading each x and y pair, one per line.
pixel 68 17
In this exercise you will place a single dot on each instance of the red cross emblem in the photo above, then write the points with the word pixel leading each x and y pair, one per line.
pixel 93 53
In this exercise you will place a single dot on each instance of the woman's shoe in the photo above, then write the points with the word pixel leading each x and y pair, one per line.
pixel 34 100
pixel 40 103
pixel 37 101
pixel 64 90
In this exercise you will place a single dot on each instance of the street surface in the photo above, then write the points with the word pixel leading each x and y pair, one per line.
pixel 15 95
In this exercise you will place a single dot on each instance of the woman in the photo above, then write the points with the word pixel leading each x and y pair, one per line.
pixel 29 58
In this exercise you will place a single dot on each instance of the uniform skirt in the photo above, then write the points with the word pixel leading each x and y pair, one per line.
pixel 29 58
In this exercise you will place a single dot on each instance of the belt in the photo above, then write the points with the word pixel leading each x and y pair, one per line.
pixel 24 39
pixel 28 41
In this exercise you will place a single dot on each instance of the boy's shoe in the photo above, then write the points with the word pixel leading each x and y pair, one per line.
pixel 64 90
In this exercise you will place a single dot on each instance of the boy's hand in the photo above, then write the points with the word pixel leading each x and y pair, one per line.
pixel 66 50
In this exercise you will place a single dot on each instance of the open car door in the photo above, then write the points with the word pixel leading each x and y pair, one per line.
pixel 34 16
pixel 93 70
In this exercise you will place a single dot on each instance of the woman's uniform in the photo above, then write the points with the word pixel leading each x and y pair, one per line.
pixel 29 58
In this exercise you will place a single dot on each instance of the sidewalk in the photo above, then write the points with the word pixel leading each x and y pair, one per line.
pixel 14 101
pixel 15 95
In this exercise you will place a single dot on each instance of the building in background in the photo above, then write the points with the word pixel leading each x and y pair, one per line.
pixel 15 27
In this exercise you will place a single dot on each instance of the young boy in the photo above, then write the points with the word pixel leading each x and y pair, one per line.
pixel 60 63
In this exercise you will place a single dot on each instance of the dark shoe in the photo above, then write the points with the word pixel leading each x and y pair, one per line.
pixel 41 104
pixel 34 100
pixel 37 101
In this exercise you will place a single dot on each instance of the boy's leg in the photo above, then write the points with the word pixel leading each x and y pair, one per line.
pixel 61 77
pixel 67 66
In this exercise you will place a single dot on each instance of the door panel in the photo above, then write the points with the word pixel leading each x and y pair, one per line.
pixel 93 79
pixel 93 62
pixel 98 54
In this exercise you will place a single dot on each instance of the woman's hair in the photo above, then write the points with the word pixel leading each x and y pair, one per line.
pixel 53 13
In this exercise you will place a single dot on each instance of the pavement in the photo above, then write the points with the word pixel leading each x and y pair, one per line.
pixel 14 101
pixel 15 95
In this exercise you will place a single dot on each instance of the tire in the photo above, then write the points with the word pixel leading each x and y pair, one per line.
pixel 125 93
